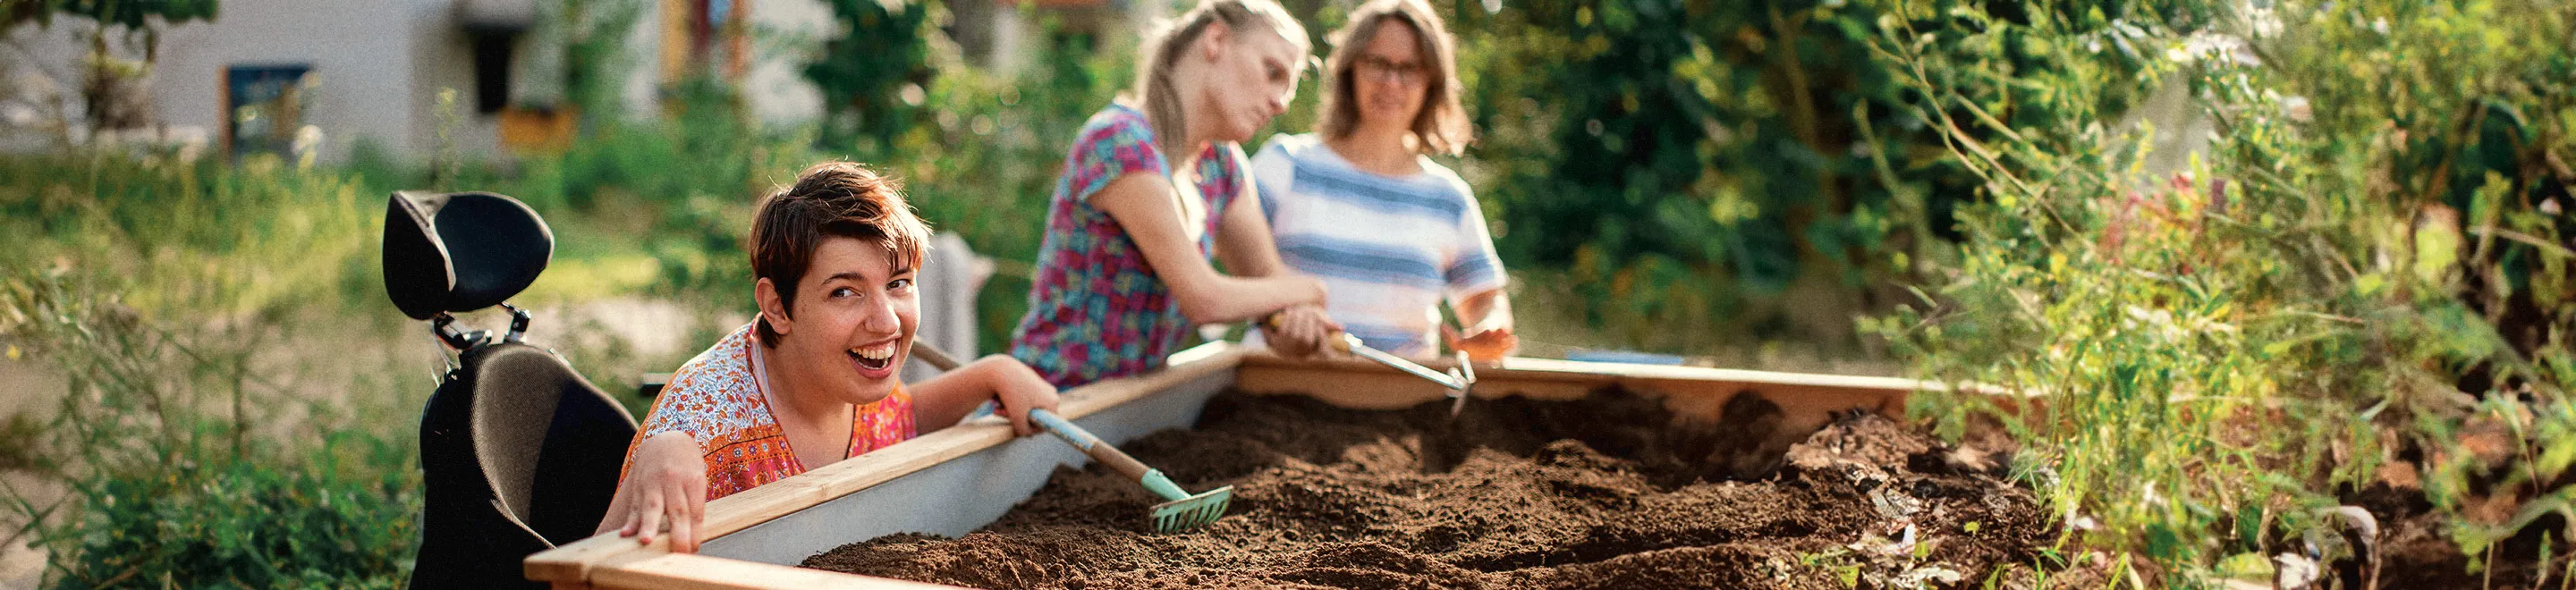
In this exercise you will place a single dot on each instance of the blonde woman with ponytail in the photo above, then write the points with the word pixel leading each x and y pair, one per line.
pixel 1153 186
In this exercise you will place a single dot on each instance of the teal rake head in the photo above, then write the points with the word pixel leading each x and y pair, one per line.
pixel 1180 511
pixel 1193 511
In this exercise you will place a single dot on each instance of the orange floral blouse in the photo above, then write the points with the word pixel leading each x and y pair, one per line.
pixel 718 400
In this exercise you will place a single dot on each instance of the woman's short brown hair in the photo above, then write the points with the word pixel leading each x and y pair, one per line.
pixel 828 200
pixel 1441 126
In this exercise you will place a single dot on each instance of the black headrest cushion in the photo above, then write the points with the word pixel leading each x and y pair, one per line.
pixel 459 252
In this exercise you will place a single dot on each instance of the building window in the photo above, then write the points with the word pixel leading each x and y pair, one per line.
pixel 703 37
pixel 491 69
pixel 264 107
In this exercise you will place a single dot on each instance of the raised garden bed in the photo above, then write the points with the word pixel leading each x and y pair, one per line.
pixel 956 481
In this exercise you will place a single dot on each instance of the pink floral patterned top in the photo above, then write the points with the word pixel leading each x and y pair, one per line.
pixel 1096 309
pixel 719 400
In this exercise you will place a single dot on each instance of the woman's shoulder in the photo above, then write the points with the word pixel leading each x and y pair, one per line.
pixel 727 357
pixel 1118 123
pixel 1435 173
pixel 1278 159
pixel 714 391
pixel 1291 146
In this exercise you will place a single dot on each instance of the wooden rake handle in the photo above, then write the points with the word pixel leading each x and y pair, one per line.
pixel 1074 435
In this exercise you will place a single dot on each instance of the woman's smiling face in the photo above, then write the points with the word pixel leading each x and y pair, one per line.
pixel 1389 78
pixel 852 323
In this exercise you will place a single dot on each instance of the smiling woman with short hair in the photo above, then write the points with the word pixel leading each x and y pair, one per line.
pixel 814 379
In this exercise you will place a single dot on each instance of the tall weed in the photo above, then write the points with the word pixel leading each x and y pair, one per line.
pixel 2363 269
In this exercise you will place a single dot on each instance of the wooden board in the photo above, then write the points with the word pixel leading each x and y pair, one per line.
pixel 958 495
pixel 955 480
pixel 576 562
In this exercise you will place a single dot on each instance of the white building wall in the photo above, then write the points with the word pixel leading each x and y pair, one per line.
pixel 442 57
pixel 378 66
pixel 643 60
pixel 786 35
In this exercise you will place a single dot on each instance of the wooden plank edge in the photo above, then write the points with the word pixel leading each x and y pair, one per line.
pixel 783 497
pixel 1589 371
pixel 1698 391
pixel 574 562
pixel 679 571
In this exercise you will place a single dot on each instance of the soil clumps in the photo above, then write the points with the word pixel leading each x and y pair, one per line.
pixel 1607 492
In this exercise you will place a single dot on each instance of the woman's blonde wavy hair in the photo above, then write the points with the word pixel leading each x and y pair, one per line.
pixel 1161 96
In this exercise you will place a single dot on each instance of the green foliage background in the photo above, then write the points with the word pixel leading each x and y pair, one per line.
pixel 2364 273
pixel 2367 266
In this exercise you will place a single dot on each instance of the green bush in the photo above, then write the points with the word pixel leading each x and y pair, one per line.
pixel 244 524
pixel 1702 174
pixel 985 166
pixel 883 53
pixel 154 288
pixel 2365 267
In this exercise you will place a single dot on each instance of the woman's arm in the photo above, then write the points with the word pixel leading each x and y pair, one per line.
pixel 1243 239
pixel 665 487
pixel 1488 310
pixel 1244 243
pixel 1485 313
pixel 1142 205
pixel 940 402
pixel 1488 317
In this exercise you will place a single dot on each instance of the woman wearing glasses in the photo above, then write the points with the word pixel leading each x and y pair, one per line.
pixel 1360 205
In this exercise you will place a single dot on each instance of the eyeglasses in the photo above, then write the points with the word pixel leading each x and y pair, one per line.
pixel 1380 68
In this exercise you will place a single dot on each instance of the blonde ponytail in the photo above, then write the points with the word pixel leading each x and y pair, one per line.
pixel 1159 96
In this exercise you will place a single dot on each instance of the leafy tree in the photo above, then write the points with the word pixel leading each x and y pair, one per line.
pixel 1723 170
pixel 875 74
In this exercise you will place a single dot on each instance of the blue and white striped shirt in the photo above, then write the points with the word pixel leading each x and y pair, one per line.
pixel 1389 249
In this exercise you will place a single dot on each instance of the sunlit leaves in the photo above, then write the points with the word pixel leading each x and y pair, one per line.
pixel 2372 212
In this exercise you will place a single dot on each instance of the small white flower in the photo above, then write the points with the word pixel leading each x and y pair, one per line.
pixel 2263 19
pixel 307 139
pixel 191 140
pixel 2228 47
pixel 20 115
pixel 308 144
pixel 2296 108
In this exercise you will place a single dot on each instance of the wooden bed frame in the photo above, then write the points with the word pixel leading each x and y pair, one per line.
pixel 956 480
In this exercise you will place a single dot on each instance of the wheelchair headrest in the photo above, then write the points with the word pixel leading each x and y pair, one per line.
pixel 460 252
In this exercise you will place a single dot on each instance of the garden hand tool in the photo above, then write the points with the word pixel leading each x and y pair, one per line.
pixel 1459 380
pixel 1182 511
pixel 939 359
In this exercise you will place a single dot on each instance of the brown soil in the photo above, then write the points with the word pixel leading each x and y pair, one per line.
pixel 2416 549
pixel 1608 492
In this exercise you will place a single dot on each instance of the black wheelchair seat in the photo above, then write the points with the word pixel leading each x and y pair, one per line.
pixel 519 453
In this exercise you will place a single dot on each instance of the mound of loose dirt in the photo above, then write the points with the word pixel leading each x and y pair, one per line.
pixel 1607 492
